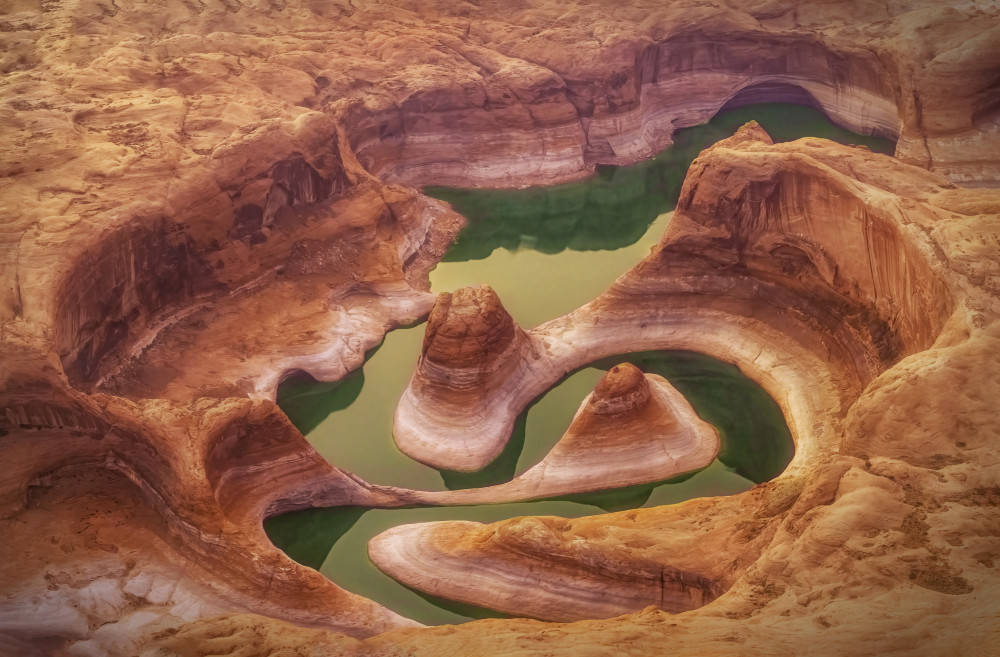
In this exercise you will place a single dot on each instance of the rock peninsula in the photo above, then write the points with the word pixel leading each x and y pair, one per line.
pixel 200 198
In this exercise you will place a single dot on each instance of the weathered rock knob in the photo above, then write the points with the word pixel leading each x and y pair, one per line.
pixel 468 327
pixel 623 388
pixel 454 413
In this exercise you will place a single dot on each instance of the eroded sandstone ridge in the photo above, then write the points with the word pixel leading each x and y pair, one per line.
pixel 633 429
pixel 823 270
pixel 198 198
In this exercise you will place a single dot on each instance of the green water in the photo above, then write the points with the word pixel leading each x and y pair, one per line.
pixel 599 228
pixel 350 421
pixel 756 442
pixel 335 540
pixel 614 208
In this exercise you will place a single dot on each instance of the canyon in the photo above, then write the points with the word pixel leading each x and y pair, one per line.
pixel 200 199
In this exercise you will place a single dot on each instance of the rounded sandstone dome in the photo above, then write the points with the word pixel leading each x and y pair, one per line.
pixel 623 388
pixel 468 327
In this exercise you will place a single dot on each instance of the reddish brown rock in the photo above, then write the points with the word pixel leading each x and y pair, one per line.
pixel 633 429
pixel 622 390
pixel 468 328
pixel 843 282
pixel 194 203
pixel 471 347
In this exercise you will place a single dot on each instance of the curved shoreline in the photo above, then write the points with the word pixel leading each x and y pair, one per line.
pixel 180 187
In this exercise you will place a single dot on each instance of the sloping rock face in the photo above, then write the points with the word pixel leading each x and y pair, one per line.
pixel 198 198
pixel 426 556
pixel 633 429
pixel 727 281
pixel 472 347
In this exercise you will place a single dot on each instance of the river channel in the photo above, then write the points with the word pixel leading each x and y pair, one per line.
pixel 546 251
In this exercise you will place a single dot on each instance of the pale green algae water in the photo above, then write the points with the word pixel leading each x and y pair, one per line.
pixel 546 251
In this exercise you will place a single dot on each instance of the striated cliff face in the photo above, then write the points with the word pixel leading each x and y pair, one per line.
pixel 201 198
pixel 822 325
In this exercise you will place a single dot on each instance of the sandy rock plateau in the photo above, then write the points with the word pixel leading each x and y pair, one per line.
pixel 198 198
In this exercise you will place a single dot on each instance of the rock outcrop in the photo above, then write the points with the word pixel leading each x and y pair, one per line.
pixel 200 197
pixel 826 272
pixel 591 582
pixel 633 429
pixel 471 347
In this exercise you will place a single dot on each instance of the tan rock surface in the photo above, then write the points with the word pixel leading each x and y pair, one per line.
pixel 632 429
pixel 846 268
pixel 194 201
pixel 530 567
pixel 471 348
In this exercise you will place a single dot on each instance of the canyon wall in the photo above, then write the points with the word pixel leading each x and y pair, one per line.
pixel 200 199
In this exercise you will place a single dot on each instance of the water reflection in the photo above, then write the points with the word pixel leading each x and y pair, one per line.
pixel 614 208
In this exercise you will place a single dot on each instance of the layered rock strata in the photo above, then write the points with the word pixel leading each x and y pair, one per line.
pixel 181 199
pixel 633 429
pixel 828 273
pixel 851 297
pixel 471 347
pixel 426 556
pixel 676 66
pixel 186 541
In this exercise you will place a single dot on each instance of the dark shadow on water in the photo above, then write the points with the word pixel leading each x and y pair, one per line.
pixel 500 471
pixel 460 608
pixel 756 441
pixel 629 497
pixel 611 210
pixel 307 536
pixel 307 402
pixel 615 207
pixel 756 444
pixel 619 499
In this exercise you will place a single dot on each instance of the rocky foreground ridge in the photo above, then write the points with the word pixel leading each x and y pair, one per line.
pixel 199 198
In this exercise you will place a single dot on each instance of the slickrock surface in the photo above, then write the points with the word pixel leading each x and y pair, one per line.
pixel 197 198
pixel 511 568
pixel 632 429
pixel 472 346
pixel 843 282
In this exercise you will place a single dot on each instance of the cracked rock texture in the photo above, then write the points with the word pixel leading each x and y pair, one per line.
pixel 198 198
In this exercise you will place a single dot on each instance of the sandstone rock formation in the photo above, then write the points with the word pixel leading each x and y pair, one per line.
pixel 200 197
pixel 511 568
pixel 632 429
pixel 832 276
pixel 471 346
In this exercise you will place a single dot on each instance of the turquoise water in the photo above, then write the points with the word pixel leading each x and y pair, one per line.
pixel 546 251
